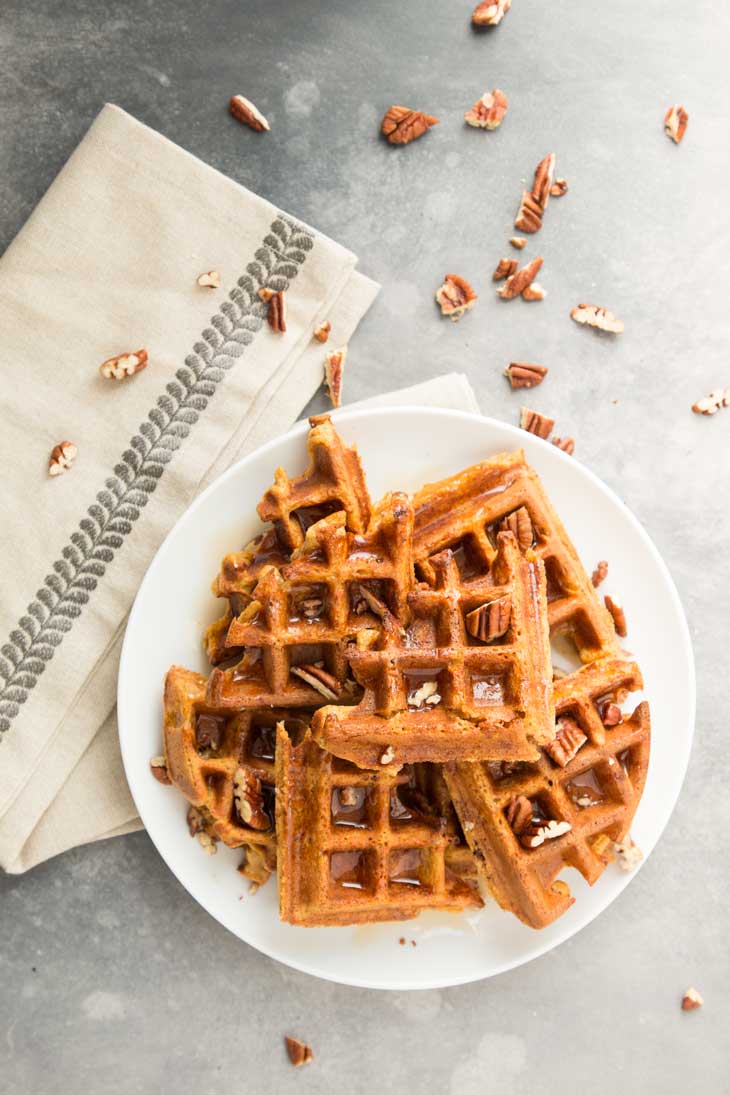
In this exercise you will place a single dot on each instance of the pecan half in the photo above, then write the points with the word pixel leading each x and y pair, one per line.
pixel 158 768
pixel 490 621
pixel 536 423
pixel 518 241
pixel 401 125
pixel 490 13
pixel 566 444
pixel 617 614
pixel 522 374
pixel 248 796
pixel 505 269
pixel 299 1052
pixel 534 291
pixel 519 813
pixel 517 283
pixel 593 316
pixel 322 333
pixel 569 738
pixel 534 202
pixel 559 188
pixel 489 111
pixel 123 365
pixel 675 123
pixel 211 279
pixel 611 714
pixel 319 679
pixel 519 523
pixel 713 402
pixel 691 1000
pixel 535 835
pixel 244 111
pixel 276 315
pixel 455 297
pixel 600 573
pixel 62 457
pixel 334 365
pixel 529 215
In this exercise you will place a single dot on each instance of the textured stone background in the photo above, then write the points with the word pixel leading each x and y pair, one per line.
pixel 112 980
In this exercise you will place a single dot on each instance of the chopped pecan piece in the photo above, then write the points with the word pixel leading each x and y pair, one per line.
pixel 516 283
pixel 299 1052
pixel 713 402
pixel 675 123
pixel 533 291
pixel 334 367
pixel 490 13
pixel 401 125
pixel 276 315
pixel 455 297
pixel 249 800
pixel 364 599
pixel 348 796
pixel 489 111
pixel 319 679
pixel 602 846
pixel 158 767
pixel 536 423
pixel 618 615
pixel 593 316
pixel 62 457
pixel 490 621
pixel 426 693
pixel 207 843
pixel 522 374
pixel 258 864
pixel 600 573
pixel 519 814
pixel 518 241
pixel 519 523
pixel 535 835
pixel 611 714
pixel 691 1000
pixel 209 732
pixel 211 279
pixel 388 755
pixel 265 293
pixel 244 111
pixel 529 215
pixel 322 333
pixel 534 202
pixel 196 820
pixel 559 188
pixel 123 365
pixel 569 738
pixel 566 444
pixel 628 855
pixel 505 269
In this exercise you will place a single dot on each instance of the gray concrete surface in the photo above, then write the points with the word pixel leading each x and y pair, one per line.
pixel 112 979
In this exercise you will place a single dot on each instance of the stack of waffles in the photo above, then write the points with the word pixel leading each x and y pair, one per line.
pixel 382 726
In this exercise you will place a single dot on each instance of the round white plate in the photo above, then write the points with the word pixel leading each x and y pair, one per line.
pixel 401 447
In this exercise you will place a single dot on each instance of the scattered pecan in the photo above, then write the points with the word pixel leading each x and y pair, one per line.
pixel 209 732
pixel 276 315
pixel 265 294
pixel 713 402
pixel 536 423
pixel 602 846
pixel 348 796
pixel 516 283
pixel 62 457
pixel 299 1052
pixel 322 333
pixel 628 855
pixel 244 111
pixel 675 123
pixel 569 738
pixel 600 573
pixel 559 188
pixel 388 755
pixel 364 599
pixel 426 693
pixel 455 297
pixel 158 767
pixel 211 279
pixel 519 523
pixel 617 614
pixel 196 820
pixel 505 269
pixel 691 1000
pixel 311 607
pixel 534 291
pixel 535 835
pixel 519 814
pixel 249 799
pixel 319 679
pixel 522 374
pixel 334 366
pixel 518 241
pixel 529 215
pixel 566 444
pixel 534 202
pixel 490 621
pixel 207 843
pixel 123 365
pixel 489 111
pixel 594 316
pixel 258 864
pixel 611 714
pixel 401 125
pixel 490 13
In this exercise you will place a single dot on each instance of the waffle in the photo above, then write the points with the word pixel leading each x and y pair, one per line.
pixel 213 756
pixel 595 791
pixel 356 846
pixel 466 512
pixel 434 690
pixel 334 481
pixel 296 624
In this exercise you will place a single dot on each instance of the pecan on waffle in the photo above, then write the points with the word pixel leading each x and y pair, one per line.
pixel 526 822
pixel 223 763
pixel 467 511
pixel 357 846
pixel 469 677
pixel 334 481
pixel 294 628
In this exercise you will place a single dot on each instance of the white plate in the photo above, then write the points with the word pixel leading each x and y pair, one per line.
pixel 401 447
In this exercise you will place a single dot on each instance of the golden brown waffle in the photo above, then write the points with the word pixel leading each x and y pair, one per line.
pixel 334 481
pixel 467 511
pixel 593 786
pixel 441 688
pixel 217 757
pixel 295 626
pixel 356 847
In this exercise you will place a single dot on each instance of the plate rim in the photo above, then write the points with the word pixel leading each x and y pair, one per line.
pixel 522 440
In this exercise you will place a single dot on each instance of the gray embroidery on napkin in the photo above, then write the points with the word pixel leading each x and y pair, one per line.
pixel 109 520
